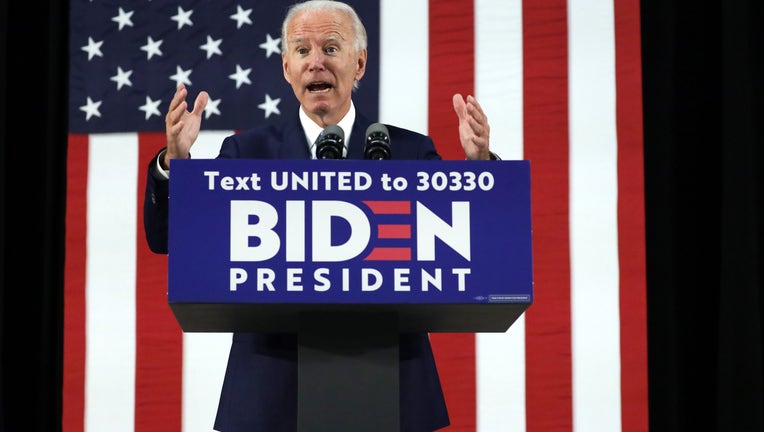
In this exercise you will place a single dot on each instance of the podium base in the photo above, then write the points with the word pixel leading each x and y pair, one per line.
pixel 348 372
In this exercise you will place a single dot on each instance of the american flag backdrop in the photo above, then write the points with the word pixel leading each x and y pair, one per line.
pixel 561 83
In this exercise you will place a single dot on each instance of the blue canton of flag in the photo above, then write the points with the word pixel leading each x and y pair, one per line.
pixel 128 57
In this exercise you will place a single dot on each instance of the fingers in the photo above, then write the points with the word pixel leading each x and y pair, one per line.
pixel 178 104
pixel 469 110
pixel 181 126
pixel 475 111
pixel 479 130
pixel 472 114
pixel 178 97
pixel 177 107
pixel 474 130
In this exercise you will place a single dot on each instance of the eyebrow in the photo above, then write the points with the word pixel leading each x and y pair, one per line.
pixel 330 38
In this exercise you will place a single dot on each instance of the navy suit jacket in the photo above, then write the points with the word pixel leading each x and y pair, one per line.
pixel 260 387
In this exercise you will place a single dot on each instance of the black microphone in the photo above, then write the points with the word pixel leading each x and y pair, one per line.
pixel 330 143
pixel 377 142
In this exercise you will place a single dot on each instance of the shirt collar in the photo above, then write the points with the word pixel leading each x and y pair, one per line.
pixel 313 130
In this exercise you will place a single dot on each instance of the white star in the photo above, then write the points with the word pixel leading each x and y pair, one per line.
pixel 241 76
pixel 122 78
pixel 91 109
pixel 270 106
pixel 241 16
pixel 211 108
pixel 151 107
pixel 181 76
pixel 270 45
pixel 212 46
pixel 183 17
pixel 93 48
pixel 151 48
pixel 123 19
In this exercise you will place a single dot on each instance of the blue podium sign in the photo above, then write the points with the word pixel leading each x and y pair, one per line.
pixel 446 244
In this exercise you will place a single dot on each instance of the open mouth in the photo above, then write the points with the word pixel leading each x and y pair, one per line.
pixel 319 87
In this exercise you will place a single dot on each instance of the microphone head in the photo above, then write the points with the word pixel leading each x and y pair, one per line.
pixel 334 129
pixel 330 143
pixel 377 142
pixel 377 129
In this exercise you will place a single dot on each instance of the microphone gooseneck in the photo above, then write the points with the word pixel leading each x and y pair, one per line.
pixel 377 142
pixel 330 143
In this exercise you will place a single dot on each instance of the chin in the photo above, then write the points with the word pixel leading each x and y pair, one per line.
pixel 319 108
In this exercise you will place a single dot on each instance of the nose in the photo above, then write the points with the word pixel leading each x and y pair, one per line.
pixel 316 60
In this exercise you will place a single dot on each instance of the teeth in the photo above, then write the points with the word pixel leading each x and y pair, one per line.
pixel 319 87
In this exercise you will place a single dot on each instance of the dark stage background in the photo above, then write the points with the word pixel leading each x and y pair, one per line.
pixel 703 74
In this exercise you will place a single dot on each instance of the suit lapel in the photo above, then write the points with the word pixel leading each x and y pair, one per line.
pixel 293 146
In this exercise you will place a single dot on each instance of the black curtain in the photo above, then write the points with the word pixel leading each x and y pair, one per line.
pixel 704 132
pixel 703 139
pixel 34 56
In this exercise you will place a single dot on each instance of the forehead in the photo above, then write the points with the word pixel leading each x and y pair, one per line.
pixel 321 24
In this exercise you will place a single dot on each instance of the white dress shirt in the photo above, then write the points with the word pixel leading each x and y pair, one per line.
pixel 313 130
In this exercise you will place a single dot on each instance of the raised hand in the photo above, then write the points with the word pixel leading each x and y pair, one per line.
pixel 181 126
pixel 474 130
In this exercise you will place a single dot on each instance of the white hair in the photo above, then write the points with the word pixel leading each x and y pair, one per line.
pixel 359 31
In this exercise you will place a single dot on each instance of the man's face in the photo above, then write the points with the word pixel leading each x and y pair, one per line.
pixel 322 64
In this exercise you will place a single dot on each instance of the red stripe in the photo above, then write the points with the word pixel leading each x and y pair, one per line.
pixel 159 340
pixel 452 70
pixel 389 254
pixel 389 207
pixel 631 224
pixel 73 415
pixel 548 333
pixel 390 231
pixel 452 59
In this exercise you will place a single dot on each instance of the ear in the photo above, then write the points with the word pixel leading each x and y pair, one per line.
pixel 361 65
pixel 285 67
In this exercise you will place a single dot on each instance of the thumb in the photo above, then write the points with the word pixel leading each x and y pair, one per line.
pixel 460 107
pixel 201 102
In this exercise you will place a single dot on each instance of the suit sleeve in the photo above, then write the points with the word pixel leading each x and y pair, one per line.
pixel 155 208
pixel 156 202
pixel 428 151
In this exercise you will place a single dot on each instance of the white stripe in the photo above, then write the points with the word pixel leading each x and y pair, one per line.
pixel 110 282
pixel 593 217
pixel 403 64
pixel 499 72
pixel 500 357
pixel 205 355
pixel 207 145
pixel 500 364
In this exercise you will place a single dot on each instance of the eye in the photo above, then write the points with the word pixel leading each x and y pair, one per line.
pixel 302 51
pixel 331 50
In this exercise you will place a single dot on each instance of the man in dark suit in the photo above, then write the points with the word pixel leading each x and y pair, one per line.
pixel 323 58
